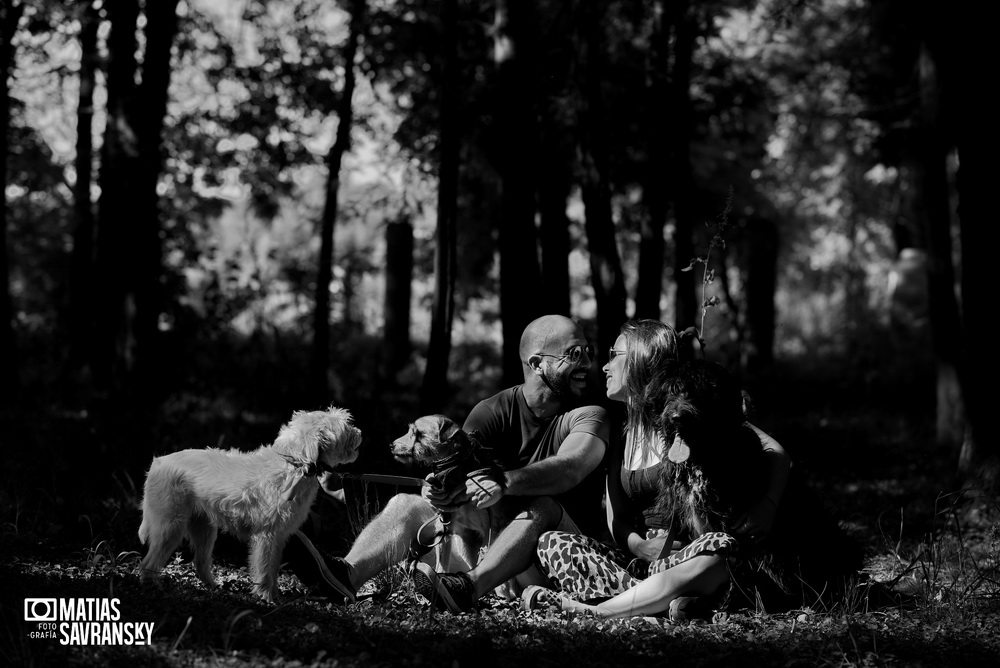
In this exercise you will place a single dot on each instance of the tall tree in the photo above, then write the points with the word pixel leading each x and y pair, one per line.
pixel 556 103
pixel 553 231
pixel 320 362
pixel 929 55
pixel 435 385
pixel 762 274
pixel 683 19
pixel 520 275
pixel 146 255
pixel 10 16
pixel 933 209
pixel 605 264
pixel 81 288
pixel 976 139
pixel 127 254
pixel 113 342
pixel 398 291
pixel 656 123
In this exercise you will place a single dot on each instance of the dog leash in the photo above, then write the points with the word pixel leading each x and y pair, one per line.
pixel 399 480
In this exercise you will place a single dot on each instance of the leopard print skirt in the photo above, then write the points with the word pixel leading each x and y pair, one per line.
pixel 586 569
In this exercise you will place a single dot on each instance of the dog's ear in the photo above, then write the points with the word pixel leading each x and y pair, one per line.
pixel 310 433
pixel 448 430
pixel 678 422
pixel 436 429
pixel 338 440
pixel 679 451
pixel 436 436
pixel 302 435
pixel 289 434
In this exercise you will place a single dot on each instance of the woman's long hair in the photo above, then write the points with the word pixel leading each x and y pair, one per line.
pixel 650 345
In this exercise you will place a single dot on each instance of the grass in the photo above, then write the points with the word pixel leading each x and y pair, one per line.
pixel 70 532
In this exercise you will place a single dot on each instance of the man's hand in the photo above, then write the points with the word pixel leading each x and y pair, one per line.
pixel 443 500
pixel 484 489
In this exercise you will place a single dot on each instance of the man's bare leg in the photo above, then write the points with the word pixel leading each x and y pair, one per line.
pixel 513 550
pixel 386 539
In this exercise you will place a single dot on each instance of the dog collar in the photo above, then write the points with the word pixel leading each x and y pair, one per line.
pixel 471 446
pixel 310 469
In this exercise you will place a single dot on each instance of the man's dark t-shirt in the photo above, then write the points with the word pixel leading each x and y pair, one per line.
pixel 517 438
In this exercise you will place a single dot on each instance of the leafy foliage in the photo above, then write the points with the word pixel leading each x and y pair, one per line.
pixel 802 111
pixel 942 549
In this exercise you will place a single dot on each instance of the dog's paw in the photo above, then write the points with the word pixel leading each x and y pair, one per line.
pixel 150 578
pixel 269 595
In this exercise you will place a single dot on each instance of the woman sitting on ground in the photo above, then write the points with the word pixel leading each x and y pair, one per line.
pixel 709 489
pixel 644 347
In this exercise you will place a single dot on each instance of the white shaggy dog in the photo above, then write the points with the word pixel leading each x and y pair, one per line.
pixel 260 497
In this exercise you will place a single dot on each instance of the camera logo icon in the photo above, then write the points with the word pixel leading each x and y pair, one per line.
pixel 40 610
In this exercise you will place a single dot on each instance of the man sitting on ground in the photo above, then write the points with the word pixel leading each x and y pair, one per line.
pixel 551 452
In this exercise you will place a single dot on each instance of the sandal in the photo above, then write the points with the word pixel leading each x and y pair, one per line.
pixel 536 597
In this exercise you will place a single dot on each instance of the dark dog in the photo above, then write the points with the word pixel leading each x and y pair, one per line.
pixel 717 470
pixel 435 444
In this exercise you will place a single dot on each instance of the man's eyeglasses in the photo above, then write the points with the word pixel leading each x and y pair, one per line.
pixel 613 353
pixel 574 354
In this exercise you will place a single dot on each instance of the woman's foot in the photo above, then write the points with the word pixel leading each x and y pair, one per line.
pixel 535 597
pixel 694 608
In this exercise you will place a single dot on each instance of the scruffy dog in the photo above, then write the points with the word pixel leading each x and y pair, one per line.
pixel 434 443
pixel 260 497
pixel 716 470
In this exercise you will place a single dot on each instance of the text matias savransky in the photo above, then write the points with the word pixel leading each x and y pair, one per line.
pixel 84 621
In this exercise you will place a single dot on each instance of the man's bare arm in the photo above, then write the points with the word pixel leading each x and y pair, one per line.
pixel 579 455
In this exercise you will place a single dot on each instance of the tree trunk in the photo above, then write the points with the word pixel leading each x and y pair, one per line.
pixel 10 16
pixel 435 385
pixel 553 193
pixel 681 176
pixel 146 258
pixel 557 155
pixel 396 345
pixel 656 184
pixel 934 210
pixel 762 270
pixel 114 341
pixel 127 254
pixel 319 387
pixel 979 460
pixel 605 266
pixel 82 262
pixel 520 275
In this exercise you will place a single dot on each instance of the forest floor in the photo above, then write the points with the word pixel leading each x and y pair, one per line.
pixel 893 491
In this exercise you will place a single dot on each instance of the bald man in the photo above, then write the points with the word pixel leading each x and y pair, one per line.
pixel 548 446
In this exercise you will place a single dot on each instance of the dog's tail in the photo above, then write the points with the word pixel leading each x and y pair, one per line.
pixel 152 476
pixel 144 526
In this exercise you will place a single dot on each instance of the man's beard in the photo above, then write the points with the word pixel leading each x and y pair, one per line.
pixel 559 386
